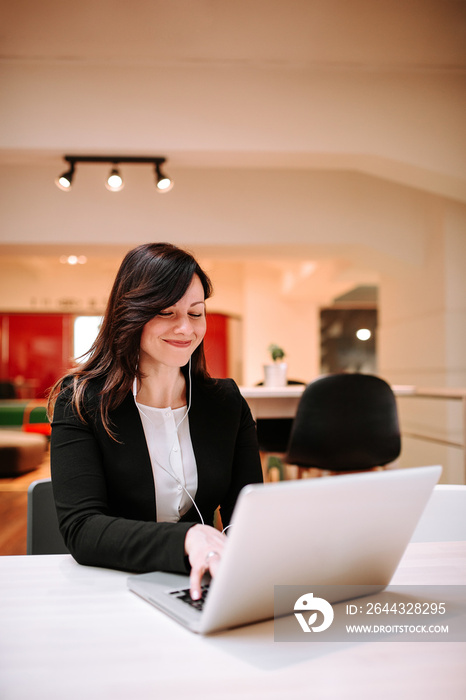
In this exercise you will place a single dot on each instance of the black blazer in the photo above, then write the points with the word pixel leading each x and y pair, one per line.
pixel 104 489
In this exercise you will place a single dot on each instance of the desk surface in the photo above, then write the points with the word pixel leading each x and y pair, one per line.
pixel 282 402
pixel 273 402
pixel 77 632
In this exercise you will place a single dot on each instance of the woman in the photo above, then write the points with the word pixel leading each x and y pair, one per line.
pixel 145 445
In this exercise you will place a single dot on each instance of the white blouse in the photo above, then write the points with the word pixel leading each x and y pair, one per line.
pixel 172 457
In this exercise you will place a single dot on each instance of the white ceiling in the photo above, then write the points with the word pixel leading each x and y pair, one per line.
pixel 262 84
pixel 50 43
pixel 239 69
pixel 412 35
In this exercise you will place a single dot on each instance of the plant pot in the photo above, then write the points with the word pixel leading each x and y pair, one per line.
pixel 275 375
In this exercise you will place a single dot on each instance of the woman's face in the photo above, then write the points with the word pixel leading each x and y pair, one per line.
pixel 171 337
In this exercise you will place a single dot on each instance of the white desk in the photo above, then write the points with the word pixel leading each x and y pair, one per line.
pixel 273 402
pixel 282 402
pixel 73 632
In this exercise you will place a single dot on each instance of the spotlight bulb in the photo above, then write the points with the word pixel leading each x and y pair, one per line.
pixel 363 334
pixel 63 182
pixel 162 182
pixel 114 181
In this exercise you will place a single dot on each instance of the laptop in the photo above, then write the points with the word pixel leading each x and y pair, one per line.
pixel 350 529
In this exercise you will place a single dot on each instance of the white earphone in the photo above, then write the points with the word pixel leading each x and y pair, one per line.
pixel 169 472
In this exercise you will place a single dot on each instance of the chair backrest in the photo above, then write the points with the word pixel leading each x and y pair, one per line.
pixel 345 422
pixel 444 517
pixel 43 535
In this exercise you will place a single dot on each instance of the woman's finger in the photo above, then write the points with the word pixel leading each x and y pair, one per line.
pixel 204 546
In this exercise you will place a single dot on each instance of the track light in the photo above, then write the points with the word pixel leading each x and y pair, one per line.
pixel 162 182
pixel 64 181
pixel 114 182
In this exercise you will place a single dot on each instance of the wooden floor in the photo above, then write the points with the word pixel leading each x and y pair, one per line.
pixel 13 509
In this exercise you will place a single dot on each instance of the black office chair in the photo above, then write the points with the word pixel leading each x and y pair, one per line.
pixel 43 535
pixel 344 423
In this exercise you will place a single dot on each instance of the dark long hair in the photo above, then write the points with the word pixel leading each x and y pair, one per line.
pixel 151 278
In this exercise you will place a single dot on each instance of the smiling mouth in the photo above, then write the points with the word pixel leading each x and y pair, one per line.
pixel 178 343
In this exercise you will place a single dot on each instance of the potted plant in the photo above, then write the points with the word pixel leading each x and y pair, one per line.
pixel 275 374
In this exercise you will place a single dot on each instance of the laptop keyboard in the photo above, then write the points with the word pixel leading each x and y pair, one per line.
pixel 184 595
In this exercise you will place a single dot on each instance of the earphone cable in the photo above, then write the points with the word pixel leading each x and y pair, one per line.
pixel 170 473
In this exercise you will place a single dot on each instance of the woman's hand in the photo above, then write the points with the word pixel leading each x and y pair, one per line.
pixel 204 546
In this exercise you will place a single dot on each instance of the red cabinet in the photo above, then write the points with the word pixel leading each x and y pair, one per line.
pixel 216 345
pixel 36 351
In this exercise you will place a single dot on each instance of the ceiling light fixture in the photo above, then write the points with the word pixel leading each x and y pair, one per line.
pixel 73 259
pixel 114 181
pixel 63 181
pixel 363 334
pixel 162 182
